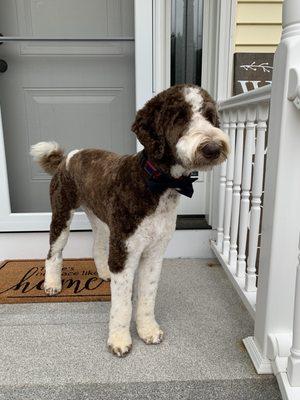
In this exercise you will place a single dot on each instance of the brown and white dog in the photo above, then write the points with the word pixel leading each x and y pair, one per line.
pixel 179 129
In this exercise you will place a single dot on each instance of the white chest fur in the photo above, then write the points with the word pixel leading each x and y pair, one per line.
pixel 159 226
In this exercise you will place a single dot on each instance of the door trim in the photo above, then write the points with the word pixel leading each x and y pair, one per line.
pixel 161 45
pixel 219 21
pixel 30 222
pixel 143 28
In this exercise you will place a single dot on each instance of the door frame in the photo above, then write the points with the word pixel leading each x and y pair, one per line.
pixel 220 25
pixel 219 21
pixel 31 222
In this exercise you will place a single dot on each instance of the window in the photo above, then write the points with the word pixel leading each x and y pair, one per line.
pixel 186 41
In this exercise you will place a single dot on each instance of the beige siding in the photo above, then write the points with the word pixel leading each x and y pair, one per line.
pixel 258 25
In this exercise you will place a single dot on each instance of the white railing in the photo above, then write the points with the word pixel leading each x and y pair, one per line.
pixel 293 367
pixel 268 283
pixel 244 118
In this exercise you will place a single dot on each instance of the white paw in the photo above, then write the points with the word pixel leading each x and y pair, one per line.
pixel 150 333
pixel 52 288
pixel 120 343
pixel 103 272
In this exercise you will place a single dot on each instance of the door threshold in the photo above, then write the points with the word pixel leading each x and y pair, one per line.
pixel 193 221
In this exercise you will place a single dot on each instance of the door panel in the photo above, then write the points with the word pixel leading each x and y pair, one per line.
pixel 75 17
pixel 78 94
pixel 78 109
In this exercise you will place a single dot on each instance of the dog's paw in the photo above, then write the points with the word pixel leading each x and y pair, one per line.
pixel 52 289
pixel 120 344
pixel 104 274
pixel 150 333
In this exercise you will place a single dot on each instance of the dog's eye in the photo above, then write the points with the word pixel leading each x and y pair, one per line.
pixel 211 114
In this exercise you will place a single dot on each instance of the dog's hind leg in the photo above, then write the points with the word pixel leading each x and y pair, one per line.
pixel 59 233
pixel 100 246
pixel 63 203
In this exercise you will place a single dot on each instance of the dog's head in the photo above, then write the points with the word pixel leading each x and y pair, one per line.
pixel 180 126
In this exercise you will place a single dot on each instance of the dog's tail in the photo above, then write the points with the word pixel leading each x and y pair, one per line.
pixel 48 155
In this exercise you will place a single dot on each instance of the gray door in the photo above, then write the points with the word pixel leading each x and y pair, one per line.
pixel 80 94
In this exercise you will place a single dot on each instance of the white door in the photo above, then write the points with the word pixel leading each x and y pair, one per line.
pixel 80 94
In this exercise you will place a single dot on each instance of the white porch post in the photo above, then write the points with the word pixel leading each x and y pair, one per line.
pixel 281 214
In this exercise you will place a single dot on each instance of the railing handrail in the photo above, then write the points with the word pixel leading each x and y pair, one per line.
pixel 245 99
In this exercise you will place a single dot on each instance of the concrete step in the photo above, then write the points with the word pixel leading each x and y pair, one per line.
pixel 192 243
pixel 239 389
pixel 58 350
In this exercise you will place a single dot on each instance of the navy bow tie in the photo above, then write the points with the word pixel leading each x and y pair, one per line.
pixel 159 181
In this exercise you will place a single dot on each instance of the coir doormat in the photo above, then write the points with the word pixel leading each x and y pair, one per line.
pixel 22 281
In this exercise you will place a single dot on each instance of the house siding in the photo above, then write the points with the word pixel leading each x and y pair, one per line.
pixel 258 25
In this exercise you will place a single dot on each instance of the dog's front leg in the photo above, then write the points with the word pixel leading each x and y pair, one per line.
pixel 149 274
pixel 119 340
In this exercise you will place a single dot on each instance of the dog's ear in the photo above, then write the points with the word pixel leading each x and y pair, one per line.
pixel 210 112
pixel 146 128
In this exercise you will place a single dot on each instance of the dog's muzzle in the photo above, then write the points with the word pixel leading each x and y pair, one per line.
pixel 198 149
pixel 211 151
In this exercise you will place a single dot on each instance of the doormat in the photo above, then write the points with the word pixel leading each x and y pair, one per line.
pixel 22 281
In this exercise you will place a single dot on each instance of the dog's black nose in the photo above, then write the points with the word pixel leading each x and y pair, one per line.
pixel 211 150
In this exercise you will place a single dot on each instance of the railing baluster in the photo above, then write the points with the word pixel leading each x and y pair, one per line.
pixel 220 229
pixel 246 185
pixel 293 367
pixel 229 184
pixel 258 174
pixel 238 117
pixel 236 197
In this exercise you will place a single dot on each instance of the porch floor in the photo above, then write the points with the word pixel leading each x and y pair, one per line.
pixel 58 350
